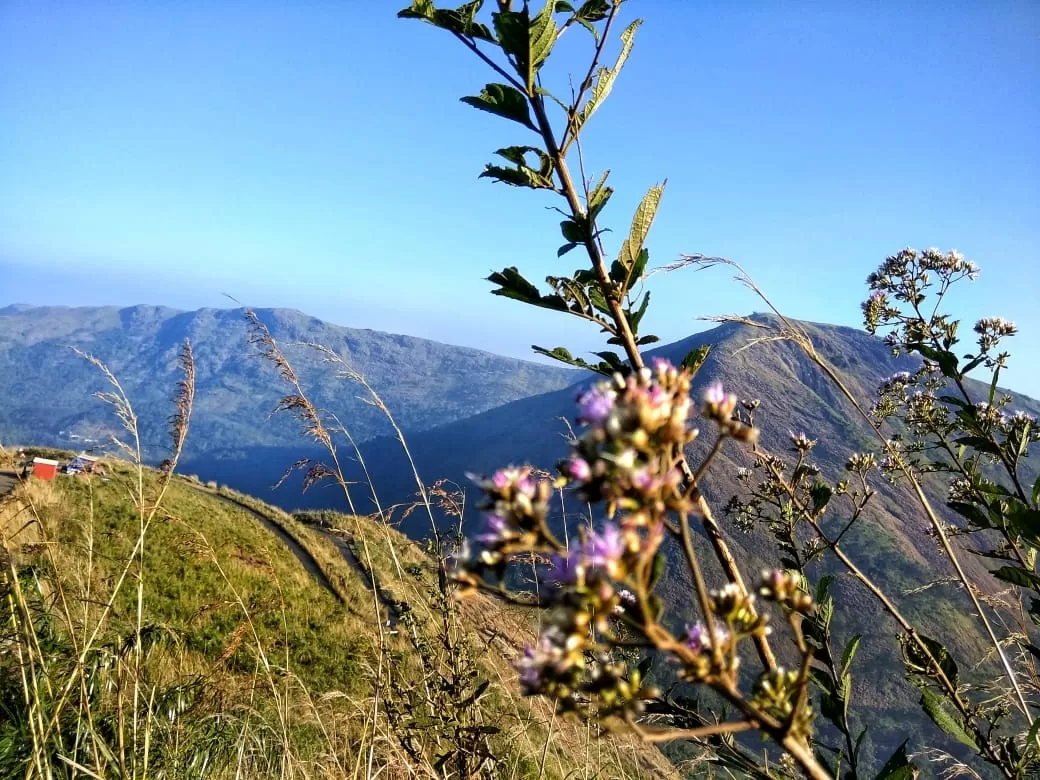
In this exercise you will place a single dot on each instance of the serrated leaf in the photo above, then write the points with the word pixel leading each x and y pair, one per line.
pixel 420 9
pixel 640 229
pixel 521 176
pixel 898 766
pixel 511 28
pixel 1016 575
pixel 598 196
pixel 695 358
pixel 935 708
pixel 605 78
pixel 512 284
pixel 503 100
pixel 541 37
pixel 850 651
pixel 564 356
pixel 594 10
pixel 823 588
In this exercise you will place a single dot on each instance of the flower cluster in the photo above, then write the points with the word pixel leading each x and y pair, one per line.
pixel 776 693
pixel 783 588
pixel 630 422
pixel 991 330
pixel 721 407
pixel 516 506
pixel 712 651
pixel 902 282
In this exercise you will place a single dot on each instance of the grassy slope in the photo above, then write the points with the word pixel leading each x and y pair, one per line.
pixel 209 562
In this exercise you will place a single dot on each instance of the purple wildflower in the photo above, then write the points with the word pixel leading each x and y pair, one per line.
pixel 603 550
pixel 595 405
pixel 496 529
pixel 579 469
pixel 715 395
pixel 697 637
pixel 565 568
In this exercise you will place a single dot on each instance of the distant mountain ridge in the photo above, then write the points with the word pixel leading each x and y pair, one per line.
pixel 45 388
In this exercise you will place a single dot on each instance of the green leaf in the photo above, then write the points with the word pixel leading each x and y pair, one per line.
pixel 917 662
pixel 859 744
pixel 632 246
pixel 993 385
pixel 613 360
pixel 462 21
pixel 594 10
pixel 1036 491
pixel 898 766
pixel 564 356
pixel 980 443
pixel 541 37
pixel 598 196
pixel 971 512
pixel 511 28
pixel 660 566
pixel 695 358
pixel 527 41
pixel 1016 575
pixel 513 285
pixel 563 7
pixel 644 340
pixel 636 317
pixel 850 651
pixel 935 708
pixel 565 249
pixel 521 176
pixel 505 101
pixel 821 496
pixel 1024 521
pixel 605 78
pixel 420 9
pixel 572 231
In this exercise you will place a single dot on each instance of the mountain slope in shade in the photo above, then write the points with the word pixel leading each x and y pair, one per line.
pixel 891 542
pixel 45 388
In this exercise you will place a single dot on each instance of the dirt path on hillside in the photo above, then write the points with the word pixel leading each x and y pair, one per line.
pixel 393 609
pixel 308 561
pixel 310 565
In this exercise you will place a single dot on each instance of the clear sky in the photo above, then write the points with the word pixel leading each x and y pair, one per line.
pixel 315 155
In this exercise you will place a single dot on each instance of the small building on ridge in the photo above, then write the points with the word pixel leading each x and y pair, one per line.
pixel 45 468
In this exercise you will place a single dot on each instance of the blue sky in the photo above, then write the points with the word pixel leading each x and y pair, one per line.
pixel 315 155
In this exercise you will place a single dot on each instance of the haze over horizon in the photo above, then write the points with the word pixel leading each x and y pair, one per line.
pixel 305 158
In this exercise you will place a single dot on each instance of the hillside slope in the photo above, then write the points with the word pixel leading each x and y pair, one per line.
pixel 265 651
pixel 45 388
pixel 892 542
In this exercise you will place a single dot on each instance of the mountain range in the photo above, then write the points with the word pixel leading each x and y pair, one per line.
pixel 46 388
pixel 465 411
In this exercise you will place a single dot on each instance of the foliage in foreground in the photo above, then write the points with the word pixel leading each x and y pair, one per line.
pixel 158 627
pixel 630 462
